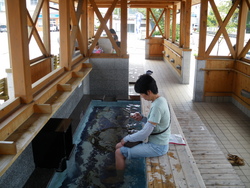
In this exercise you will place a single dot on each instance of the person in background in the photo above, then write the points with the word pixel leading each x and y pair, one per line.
pixel 113 33
pixel 97 49
pixel 115 37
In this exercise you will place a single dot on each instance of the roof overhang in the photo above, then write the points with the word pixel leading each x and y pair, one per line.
pixel 140 3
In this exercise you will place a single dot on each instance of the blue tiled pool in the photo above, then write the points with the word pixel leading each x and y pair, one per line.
pixel 104 124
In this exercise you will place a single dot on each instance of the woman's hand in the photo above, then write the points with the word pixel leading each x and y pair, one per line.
pixel 136 116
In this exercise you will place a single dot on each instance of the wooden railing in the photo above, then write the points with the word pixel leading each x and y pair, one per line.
pixel 20 123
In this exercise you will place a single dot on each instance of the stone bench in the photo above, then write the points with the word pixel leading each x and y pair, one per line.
pixel 177 168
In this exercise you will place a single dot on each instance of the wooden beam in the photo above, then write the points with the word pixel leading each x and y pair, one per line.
pixel 46 28
pixel 64 87
pixel 19 52
pixel 65 55
pixel 241 29
pixel 182 24
pixel 37 37
pixel 111 22
pixel 91 26
pixel 124 17
pixel 187 24
pixel 203 30
pixel 9 106
pixel 167 23
pixel 245 50
pixel 77 74
pixel 103 26
pixel 147 23
pixel 84 28
pixel 156 22
pixel 7 148
pixel 32 22
pixel 222 27
pixel 43 108
pixel 174 23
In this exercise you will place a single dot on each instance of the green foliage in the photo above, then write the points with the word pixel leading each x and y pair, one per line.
pixel 223 8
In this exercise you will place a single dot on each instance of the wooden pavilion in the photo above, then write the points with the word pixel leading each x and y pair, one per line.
pixel 42 91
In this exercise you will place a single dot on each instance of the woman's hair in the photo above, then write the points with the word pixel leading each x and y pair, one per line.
pixel 145 83
pixel 112 31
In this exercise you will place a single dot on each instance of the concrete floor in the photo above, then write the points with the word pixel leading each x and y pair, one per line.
pixel 229 126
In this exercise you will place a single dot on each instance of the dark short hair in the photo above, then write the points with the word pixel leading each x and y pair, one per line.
pixel 146 83
pixel 112 31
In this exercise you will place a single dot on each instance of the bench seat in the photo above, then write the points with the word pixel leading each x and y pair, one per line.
pixel 177 168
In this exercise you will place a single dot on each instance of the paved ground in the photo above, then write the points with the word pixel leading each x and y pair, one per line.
pixel 226 123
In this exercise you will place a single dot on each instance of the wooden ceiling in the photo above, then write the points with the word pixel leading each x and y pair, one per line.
pixel 140 3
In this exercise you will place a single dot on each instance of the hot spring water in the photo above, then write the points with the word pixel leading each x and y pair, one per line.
pixel 103 126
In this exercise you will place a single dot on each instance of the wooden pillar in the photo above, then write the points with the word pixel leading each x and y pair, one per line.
pixel 174 23
pixel 65 57
pixel 241 27
pixel 188 6
pixel 19 48
pixel 124 17
pixel 147 23
pixel 167 23
pixel 91 27
pixel 46 26
pixel 203 30
pixel 182 23
pixel 84 27
pixel 111 21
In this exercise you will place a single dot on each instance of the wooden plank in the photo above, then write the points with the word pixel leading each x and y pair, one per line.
pixel 9 106
pixel 64 20
pixel 147 23
pixel 46 79
pixel 124 18
pixel 85 28
pixel 174 23
pixel 225 183
pixel 167 23
pixel 203 29
pixel 218 176
pixel 176 165
pixel 42 108
pixel 64 87
pixel 40 69
pixel 10 124
pixel 187 23
pixel 30 123
pixel 241 29
pixel 164 162
pixel 91 26
pixel 45 44
pixel 7 148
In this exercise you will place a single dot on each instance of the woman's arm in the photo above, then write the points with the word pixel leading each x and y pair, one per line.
pixel 140 135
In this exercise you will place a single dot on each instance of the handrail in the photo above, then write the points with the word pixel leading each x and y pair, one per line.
pixel 225 69
pixel 180 56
